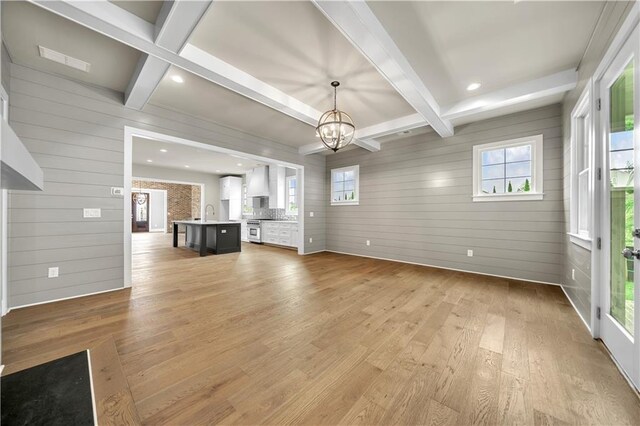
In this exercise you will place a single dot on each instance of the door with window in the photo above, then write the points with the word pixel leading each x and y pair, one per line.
pixel 620 316
pixel 140 212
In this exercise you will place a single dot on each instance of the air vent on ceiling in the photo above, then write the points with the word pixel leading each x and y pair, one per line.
pixel 61 58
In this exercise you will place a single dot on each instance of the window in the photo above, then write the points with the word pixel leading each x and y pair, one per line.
pixel 247 209
pixel 345 186
pixel 4 104
pixel 581 187
pixel 508 170
pixel 291 196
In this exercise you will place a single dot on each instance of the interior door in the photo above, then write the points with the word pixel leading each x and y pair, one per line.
pixel 620 316
pixel 140 212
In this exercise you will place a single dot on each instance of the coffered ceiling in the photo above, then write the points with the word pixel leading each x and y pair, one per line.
pixel 299 56
pixel 265 67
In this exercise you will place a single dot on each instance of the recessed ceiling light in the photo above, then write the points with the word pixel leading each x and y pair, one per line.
pixel 473 86
pixel 186 165
pixel 177 79
pixel 239 164
pixel 217 171
pixel 404 132
pixel 149 161
pixel 163 150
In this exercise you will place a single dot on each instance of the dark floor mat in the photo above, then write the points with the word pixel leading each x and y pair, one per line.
pixel 55 393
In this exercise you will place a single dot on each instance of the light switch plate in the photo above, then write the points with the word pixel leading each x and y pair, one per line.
pixel 470 253
pixel 54 272
pixel 91 213
pixel 310 214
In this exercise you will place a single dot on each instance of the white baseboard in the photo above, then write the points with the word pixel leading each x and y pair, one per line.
pixel 93 394
pixel 443 267
pixel 66 298
pixel 313 252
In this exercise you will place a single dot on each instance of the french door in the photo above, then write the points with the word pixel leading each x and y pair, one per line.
pixel 620 227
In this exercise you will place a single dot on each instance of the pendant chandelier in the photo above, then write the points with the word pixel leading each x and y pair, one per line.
pixel 335 127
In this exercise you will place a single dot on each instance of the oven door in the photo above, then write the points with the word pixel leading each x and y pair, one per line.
pixel 254 233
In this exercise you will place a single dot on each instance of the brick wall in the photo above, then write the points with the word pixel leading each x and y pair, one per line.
pixel 195 201
pixel 183 201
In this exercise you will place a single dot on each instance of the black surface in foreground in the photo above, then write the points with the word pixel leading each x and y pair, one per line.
pixel 55 393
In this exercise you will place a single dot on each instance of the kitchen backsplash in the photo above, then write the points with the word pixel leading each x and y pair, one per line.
pixel 275 214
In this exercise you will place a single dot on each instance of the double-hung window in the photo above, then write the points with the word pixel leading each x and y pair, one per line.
pixel 247 208
pixel 581 187
pixel 291 196
pixel 508 170
pixel 345 186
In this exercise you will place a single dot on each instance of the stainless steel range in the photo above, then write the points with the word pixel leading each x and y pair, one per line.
pixel 254 231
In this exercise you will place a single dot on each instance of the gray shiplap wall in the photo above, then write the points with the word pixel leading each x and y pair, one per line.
pixel 4 68
pixel 75 132
pixel 416 206
pixel 576 257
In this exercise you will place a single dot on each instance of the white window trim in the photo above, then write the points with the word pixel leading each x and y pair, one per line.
pixel 537 164
pixel 286 196
pixel 4 103
pixel 356 172
pixel 583 106
pixel 245 201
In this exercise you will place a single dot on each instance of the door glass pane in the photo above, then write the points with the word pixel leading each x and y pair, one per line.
pixel 621 197
pixel 142 210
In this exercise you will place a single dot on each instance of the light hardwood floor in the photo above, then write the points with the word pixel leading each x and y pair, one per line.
pixel 267 336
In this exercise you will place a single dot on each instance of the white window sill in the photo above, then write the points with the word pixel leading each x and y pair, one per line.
pixel 345 203
pixel 580 240
pixel 530 196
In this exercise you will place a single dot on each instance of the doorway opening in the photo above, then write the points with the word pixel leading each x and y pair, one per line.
pixel 164 159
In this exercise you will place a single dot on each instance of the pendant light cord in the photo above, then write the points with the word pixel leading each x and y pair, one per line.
pixel 335 97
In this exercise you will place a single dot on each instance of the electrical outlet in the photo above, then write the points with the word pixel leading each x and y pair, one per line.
pixel 54 272
pixel 470 253
pixel 117 191
pixel 310 239
pixel 573 274
pixel 310 214
pixel 368 242
pixel 91 213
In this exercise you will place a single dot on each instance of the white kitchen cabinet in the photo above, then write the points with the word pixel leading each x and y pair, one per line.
pixel 280 233
pixel 277 182
pixel 243 231
pixel 258 182
pixel 294 235
pixel 230 198
pixel 225 188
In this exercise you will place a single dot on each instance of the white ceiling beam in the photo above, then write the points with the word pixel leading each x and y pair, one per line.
pixel 520 93
pixel 365 136
pixel 176 22
pixel 145 79
pixel 362 28
pixel 139 34
pixel 235 79
pixel 535 89
pixel 118 24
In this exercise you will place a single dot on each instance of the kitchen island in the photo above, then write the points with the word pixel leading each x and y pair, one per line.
pixel 209 236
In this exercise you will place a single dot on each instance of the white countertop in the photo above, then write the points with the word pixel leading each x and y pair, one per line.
pixel 206 222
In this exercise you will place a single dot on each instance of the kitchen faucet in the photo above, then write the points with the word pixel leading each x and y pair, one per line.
pixel 206 210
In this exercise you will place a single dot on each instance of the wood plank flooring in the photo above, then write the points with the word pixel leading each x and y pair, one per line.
pixel 267 336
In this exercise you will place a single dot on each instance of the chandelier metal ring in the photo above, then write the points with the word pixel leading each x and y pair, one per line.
pixel 335 128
